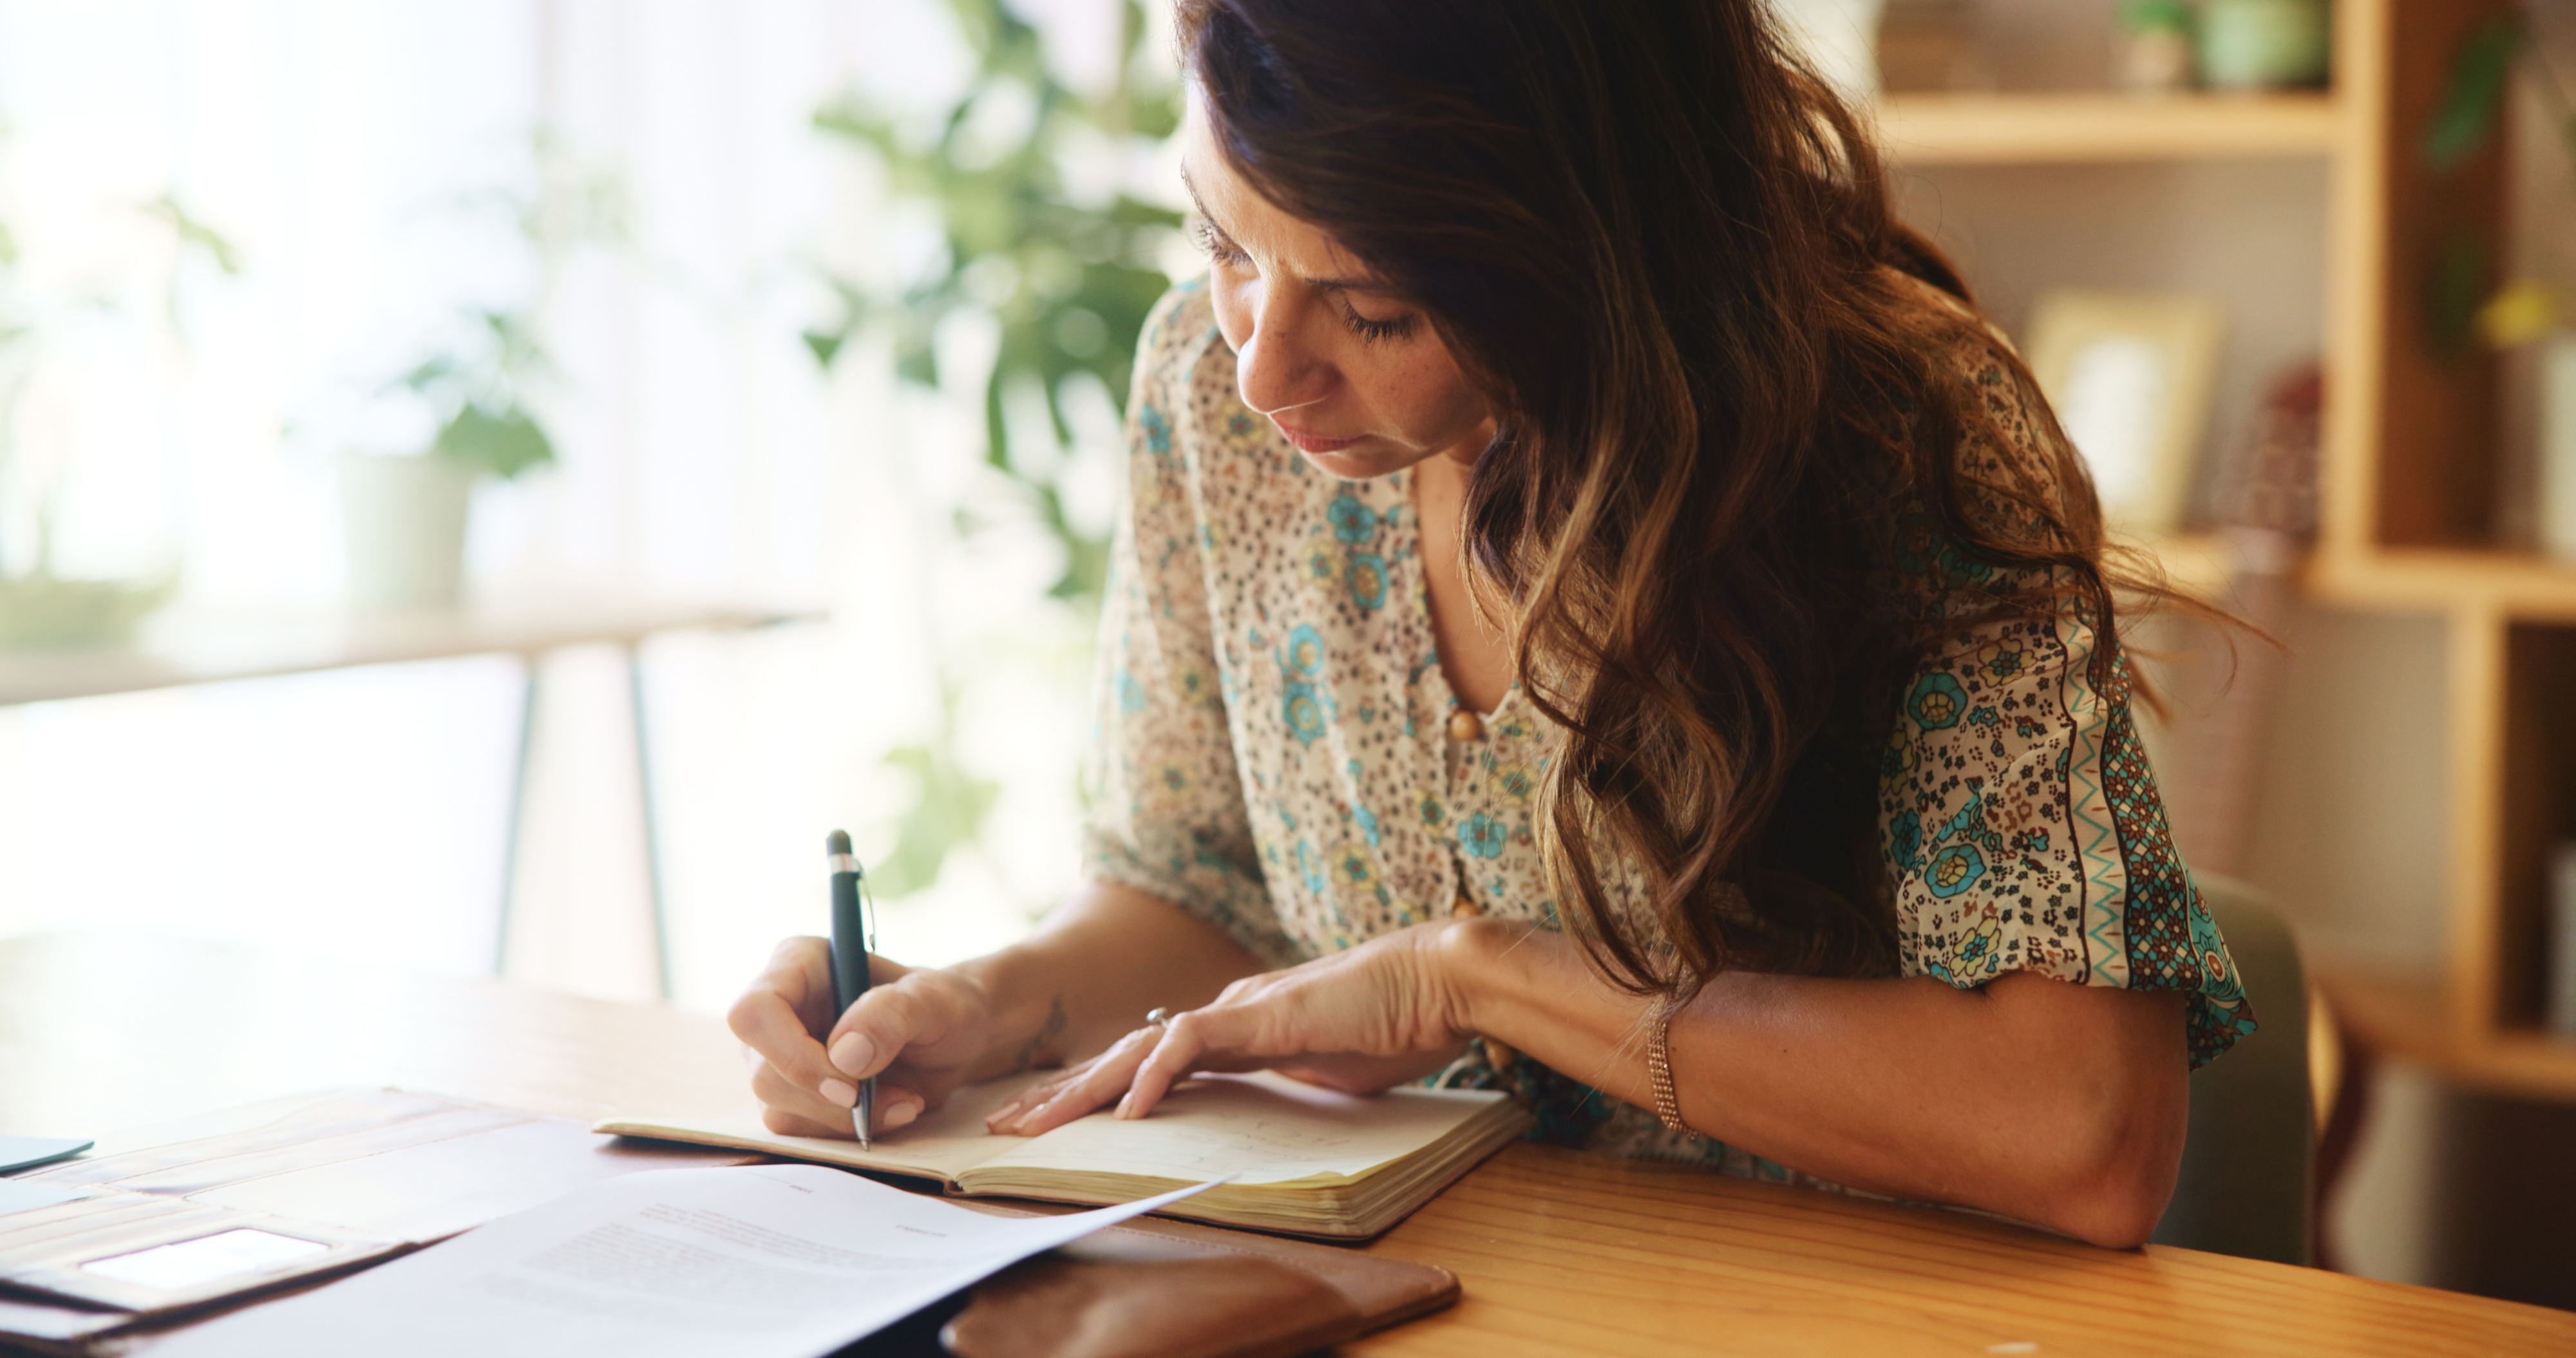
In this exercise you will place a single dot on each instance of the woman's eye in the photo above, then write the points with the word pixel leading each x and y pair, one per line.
pixel 1219 249
pixel 1392 328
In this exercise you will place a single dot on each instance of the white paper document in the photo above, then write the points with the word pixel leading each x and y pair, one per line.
pixel 769 1261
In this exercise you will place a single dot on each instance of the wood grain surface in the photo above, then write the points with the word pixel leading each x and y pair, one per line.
pixel 1560 1252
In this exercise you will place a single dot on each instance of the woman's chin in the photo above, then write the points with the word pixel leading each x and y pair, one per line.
pixel 1363 461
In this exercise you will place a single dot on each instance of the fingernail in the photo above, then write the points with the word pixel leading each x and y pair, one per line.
pixel 1126 1107
pixel 853 1052
pixel 839 1092
pixel 901 1115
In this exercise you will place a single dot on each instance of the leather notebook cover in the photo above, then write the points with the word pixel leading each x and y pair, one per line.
pixel 1167 1289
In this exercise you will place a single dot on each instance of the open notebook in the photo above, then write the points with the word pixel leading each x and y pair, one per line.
pixel 1305 1161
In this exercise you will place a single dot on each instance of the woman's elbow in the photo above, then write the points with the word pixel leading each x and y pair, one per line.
pixel 2120 1170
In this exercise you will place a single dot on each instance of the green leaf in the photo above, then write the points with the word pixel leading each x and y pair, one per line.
pixel 2456 289
pixel 2465 120
pixel 825 345
pixel 192 232
pixel 503 445
pixel 948 811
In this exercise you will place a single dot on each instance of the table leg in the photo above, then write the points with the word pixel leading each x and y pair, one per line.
pixel 652 836
pixel 517 831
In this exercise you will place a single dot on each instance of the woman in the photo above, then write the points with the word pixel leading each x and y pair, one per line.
pixel 1596 615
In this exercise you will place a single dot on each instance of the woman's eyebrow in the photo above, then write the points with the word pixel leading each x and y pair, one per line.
pixel 1326 284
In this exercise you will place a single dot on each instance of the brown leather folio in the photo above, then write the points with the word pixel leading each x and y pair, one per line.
pixel 1168 1289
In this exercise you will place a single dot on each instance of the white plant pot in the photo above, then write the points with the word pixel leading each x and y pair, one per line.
pixel 404 518
pixel 2558 445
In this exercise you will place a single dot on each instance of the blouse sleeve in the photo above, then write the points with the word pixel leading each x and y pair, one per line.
pixel 2020 823
pixel 1167 813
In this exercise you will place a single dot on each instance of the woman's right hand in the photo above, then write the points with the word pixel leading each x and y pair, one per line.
pixel 917 1030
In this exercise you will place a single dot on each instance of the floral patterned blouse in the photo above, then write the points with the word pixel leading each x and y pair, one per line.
pixel 1278 752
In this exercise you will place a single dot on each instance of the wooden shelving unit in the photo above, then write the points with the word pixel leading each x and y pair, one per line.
pixel 2409 482
pixel 2040 129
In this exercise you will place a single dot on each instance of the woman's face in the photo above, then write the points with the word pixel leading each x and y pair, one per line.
pixel 1350 372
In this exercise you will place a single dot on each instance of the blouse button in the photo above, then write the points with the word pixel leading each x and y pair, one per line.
pixel 1465 726
pixel 1465 908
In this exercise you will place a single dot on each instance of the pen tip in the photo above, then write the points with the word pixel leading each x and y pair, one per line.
pixel 839 842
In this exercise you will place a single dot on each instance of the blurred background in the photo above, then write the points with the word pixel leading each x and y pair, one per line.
pixel 488 484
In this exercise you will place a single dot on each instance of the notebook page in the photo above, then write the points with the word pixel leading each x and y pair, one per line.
pixel 1263 1128
pixel 942 1145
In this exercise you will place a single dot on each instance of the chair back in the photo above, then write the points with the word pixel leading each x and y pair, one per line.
pixel 2247 1180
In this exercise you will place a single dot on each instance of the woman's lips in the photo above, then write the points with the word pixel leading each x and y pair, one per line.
pixel 1313 443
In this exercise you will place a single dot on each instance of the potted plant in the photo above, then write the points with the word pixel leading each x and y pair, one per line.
pixel 405 516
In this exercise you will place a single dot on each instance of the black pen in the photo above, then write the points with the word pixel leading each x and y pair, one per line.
pixel 852 941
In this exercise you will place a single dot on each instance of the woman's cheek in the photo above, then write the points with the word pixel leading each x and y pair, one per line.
pixel 1232 301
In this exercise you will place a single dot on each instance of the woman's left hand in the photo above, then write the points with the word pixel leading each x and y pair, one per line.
pixel 1360 1020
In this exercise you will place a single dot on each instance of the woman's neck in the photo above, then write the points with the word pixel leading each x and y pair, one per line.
pixel 1475 657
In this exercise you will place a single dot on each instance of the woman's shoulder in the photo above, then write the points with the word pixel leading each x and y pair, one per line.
pixel 1180 330
pixel 2018 475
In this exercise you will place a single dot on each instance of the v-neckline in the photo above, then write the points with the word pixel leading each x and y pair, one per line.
pixel 1418 605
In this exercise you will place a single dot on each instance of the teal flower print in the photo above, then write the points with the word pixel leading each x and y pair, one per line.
pixel 1158 431
pixel 1368 580
pixel 1368 823
pixel 1954 870
pixel 1240 424
pixel 1352 521
pixel 1353 870
pixel 1304 711
pixel 1310 867
pixel 1959 565
pixel 1936 702
pixel 1131 695
pixel 1304 657
pixel 1905 841
pixel 1482 836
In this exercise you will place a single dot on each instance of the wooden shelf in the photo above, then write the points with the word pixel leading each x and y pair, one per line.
pixel 2409 1017
pixel 2038 129
pixel 2201 565
pixel 2432 579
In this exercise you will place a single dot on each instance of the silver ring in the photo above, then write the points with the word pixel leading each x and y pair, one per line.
pixel 1158 1017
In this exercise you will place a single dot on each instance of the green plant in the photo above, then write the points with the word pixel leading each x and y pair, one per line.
pixel 1066 280
pixel 2460 300
pixel 482 391
pixel 482 386
pixel 1068 283
pixel 39 608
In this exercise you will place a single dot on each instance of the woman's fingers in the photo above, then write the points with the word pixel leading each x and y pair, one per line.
pixel 1079 1091
pixel 791 1110
pixel 776 1017
pixel 1186 1039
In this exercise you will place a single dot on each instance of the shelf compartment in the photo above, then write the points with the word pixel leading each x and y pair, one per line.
pixel 2537 813
pixel 2041 129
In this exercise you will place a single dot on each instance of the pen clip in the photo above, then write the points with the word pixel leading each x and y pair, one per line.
pixel 867 915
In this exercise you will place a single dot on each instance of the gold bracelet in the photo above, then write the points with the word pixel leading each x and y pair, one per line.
pixel 1659 1073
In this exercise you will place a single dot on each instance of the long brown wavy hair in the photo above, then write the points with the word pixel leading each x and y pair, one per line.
pixel 1665 251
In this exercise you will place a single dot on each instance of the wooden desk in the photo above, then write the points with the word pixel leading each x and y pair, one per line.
pixel 1561 1253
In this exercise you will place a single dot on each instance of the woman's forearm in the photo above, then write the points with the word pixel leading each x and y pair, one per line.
pixel 1090 973
pixel 2054 1103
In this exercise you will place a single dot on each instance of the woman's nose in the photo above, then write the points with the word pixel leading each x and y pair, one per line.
pixel 1276 369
